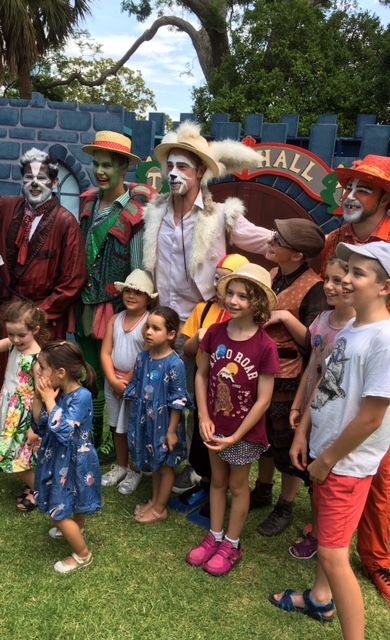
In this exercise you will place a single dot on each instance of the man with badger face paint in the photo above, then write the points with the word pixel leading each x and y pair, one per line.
pixel 366 208
pixel 41 245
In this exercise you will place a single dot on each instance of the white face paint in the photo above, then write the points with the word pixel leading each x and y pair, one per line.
pixel 37 185
pixel 181 172
pixel 353 209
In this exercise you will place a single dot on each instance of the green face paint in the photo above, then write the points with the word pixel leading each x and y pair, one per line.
pixel 107 171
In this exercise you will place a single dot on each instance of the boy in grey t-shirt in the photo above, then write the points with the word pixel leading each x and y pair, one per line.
pixel 350 434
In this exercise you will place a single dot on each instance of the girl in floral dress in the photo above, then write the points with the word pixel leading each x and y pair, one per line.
pixel 26 329
pixel 68 473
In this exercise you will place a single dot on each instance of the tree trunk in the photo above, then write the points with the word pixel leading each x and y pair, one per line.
pixel 24 81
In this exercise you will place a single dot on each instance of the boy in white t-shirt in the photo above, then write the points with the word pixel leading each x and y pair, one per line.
pixel 350 434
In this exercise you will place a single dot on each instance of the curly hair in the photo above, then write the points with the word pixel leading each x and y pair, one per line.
pixel 32 316
pixel 258 301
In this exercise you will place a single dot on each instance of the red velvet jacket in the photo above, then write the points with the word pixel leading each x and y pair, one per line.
pixel 55 270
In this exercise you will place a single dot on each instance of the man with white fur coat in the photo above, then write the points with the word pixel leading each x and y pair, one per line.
pixel 186 232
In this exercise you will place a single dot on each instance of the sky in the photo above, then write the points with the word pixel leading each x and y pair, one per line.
pixel 164 61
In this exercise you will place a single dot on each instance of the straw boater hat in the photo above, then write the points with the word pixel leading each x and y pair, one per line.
pixel 111 141
pixel 374 170
pixel 138 280
pixel 221 158
pixel 254 273
pixel 187 138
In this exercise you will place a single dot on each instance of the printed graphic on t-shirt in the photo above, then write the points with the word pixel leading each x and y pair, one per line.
pixel 330 387
pixel 226 389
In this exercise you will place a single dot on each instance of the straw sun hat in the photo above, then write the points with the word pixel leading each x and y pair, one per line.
pixel 111 141
pixel 138 280
pixel 254 273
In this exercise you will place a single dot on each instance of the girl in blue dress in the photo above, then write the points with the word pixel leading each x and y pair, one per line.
pixel 158 392
pixel 67 475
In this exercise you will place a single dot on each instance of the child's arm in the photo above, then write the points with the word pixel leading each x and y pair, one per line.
pixel 298 450
pixel 265 389
pixel 368 420
pixel 174 420
pixel 296 407
pixel 5 344
pixel 206 425
pixel 36 407
pixel 191 345
pixel 119 385
pixel 296 329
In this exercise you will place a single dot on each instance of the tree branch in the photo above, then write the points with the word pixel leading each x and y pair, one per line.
pixel 199 38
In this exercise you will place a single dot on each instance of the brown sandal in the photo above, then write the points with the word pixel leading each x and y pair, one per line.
pixel 28 503
pixel 26 492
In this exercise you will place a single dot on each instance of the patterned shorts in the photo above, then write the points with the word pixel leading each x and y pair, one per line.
pixel 241 453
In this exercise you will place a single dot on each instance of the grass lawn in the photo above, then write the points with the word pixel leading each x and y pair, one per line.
pixel 139 586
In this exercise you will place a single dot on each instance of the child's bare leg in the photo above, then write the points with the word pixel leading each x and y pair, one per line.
pixel 71 531
pixel 121 449
pixel 290 486
pixel 346 591
pixel 79 519
pixel 266 470
pixel 239 488
pixel 218 489
pixel 143 508
pixel 28 478
pixel 164 489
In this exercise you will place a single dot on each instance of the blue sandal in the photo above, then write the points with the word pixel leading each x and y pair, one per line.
pixel 286 603
pixel 316 611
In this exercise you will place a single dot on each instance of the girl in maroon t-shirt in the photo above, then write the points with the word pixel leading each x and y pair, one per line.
pixel 234 385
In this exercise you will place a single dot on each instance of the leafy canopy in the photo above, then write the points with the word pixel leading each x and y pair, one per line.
pixel 292 56
pixel 127 87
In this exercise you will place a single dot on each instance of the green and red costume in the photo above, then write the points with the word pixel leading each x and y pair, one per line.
pixel 114 249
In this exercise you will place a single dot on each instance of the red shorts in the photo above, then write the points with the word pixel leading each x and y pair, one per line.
pixel 340 502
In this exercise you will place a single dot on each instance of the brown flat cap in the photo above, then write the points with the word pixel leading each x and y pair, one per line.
pixel 302 235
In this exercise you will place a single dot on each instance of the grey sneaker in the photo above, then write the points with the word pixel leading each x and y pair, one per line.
pixel 130 482
pixel 187 479
pixel 56 533
pixel 114 476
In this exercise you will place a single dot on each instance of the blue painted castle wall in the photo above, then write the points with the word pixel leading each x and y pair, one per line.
pixel 63 128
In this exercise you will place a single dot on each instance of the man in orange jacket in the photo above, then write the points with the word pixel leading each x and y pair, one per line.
pixel 366 209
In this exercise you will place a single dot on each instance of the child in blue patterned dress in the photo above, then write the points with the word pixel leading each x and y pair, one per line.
pixel 156 433
pixel 68 474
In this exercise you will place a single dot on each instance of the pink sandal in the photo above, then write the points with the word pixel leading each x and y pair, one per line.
pixel 150 516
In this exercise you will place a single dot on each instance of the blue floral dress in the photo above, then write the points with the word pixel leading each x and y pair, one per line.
pixel 67 477
pixel 158 385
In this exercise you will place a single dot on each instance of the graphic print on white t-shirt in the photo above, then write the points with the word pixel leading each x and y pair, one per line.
pixel 331 385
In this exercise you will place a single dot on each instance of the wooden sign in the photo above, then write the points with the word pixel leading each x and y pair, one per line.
pixel 297 164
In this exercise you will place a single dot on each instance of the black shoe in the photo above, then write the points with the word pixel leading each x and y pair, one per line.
pixel 261 495
pixel 106 453
pixel 278 520
pixel 205 509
